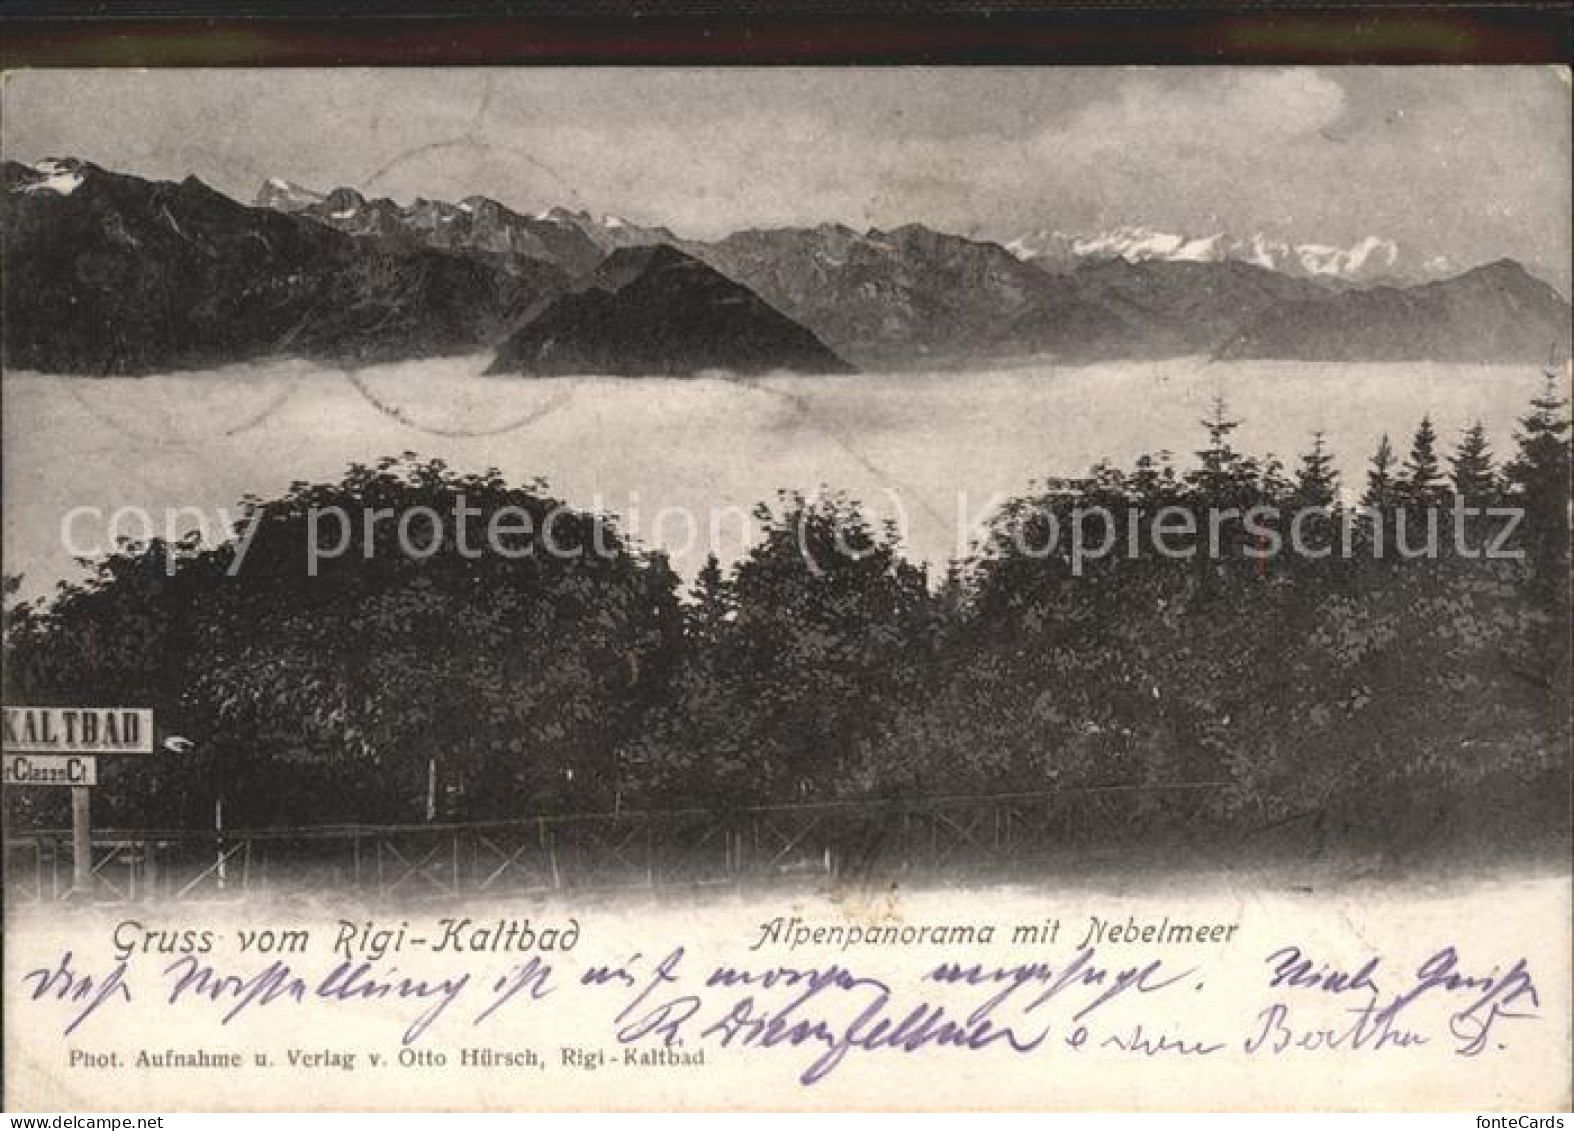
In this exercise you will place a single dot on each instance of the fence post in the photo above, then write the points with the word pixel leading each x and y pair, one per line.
pixel 81 841
pixel 551 844
pixel 218 829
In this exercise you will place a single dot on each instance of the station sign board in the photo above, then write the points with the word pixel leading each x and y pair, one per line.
pixel 78 730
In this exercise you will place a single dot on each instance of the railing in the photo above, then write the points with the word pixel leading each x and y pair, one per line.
pixel 649 849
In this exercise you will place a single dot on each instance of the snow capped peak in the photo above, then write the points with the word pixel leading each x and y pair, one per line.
pixel 557 214
pixel 1208 249
pixel 1364 259
pixel 60 177
pixel 610 221
pixel 1368 259
pixel 1132 244
pixel 1042 243
pixel 286 196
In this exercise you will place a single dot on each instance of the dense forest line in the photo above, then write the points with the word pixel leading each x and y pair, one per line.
pixel 1377 699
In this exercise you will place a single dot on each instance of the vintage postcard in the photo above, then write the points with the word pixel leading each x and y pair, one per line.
pixel 784 588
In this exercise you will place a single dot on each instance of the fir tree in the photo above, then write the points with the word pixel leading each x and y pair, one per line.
pixel 712 601
pixel 1218 455
pixel 1316 480
pixel 1380 483
pixel 1421 481
pixel 1538 478
pixel 1471 470
pixel 1226 477
pixel 1542 461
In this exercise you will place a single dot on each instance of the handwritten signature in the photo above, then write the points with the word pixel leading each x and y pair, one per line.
pixel 1374 1020
pixel 837 1011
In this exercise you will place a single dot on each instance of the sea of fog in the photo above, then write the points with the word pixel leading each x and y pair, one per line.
pixel 682 461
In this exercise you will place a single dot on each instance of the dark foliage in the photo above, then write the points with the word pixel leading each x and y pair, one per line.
pixel 1366 701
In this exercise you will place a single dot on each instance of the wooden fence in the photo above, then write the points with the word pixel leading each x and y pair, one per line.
pixel 650 849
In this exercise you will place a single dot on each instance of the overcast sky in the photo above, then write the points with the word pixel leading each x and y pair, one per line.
pixel 1467 163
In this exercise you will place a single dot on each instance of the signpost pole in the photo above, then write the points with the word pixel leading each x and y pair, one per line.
pixel 59 746
pixel 81 841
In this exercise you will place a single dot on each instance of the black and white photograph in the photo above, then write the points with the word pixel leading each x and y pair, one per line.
pixel 880 588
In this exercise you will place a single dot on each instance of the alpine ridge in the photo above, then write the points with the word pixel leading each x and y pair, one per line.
pixel 110 273
pixel 107 273
pixel 1365 262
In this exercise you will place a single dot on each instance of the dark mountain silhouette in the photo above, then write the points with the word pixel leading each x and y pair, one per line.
pixel 659 311
pixel 1154 308
pixel 1497 312
pixel 108 273
pixel 907 297
pixel 898 298
pixel 1066 324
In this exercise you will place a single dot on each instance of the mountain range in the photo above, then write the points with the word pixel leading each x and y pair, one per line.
pixel 1490 313
pixel 1369 261
pixel 111 273
pixel 106 274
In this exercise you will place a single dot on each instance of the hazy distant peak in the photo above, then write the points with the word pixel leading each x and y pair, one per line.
pixel 1368 260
